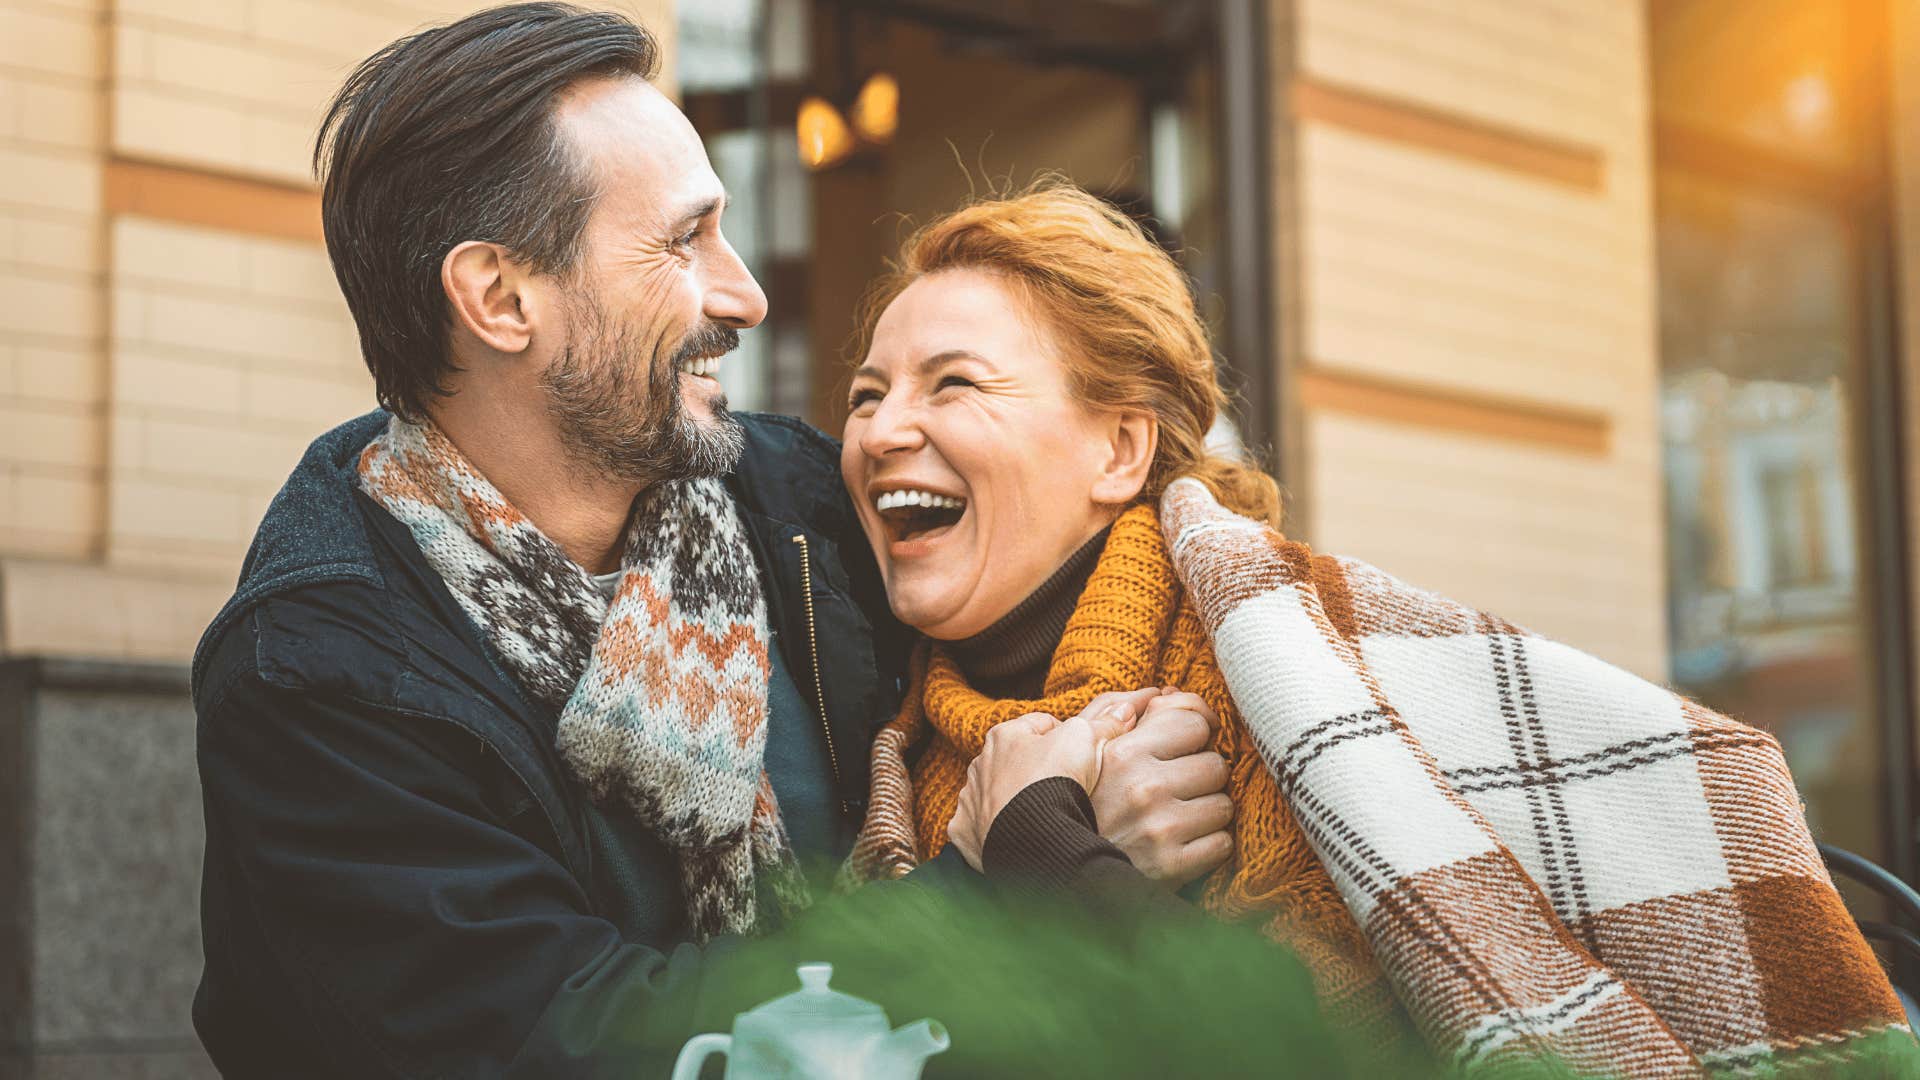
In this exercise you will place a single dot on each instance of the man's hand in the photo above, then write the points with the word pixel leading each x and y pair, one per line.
pixel 1032 748
pixel 1162 795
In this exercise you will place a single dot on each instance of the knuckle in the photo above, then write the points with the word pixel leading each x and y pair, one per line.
pixel 1143 796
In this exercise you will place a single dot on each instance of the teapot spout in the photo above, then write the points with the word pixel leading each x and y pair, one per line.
pixel 902 1054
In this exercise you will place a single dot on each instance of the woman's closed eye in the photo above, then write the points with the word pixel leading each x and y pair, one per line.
pixel 860 397
pixel 951 381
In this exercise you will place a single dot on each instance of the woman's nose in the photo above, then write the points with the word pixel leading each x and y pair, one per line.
pixel 891 428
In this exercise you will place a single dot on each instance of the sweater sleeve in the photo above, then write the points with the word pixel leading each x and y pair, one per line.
pixel 1046 839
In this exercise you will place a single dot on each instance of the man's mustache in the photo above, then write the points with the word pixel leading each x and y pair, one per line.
pixel 710 339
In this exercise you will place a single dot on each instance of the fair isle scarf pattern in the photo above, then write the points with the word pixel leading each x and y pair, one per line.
pixel 661 693
pixel 1550 856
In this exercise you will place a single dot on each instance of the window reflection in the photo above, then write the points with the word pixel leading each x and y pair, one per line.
pixel 1762 155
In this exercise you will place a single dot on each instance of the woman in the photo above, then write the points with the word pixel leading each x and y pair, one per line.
pixel 1009 435
pixel 1034 396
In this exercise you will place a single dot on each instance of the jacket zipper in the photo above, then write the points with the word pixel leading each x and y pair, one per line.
pixel 813 651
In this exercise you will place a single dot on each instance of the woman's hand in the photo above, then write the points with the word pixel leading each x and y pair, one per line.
pixel 1034 747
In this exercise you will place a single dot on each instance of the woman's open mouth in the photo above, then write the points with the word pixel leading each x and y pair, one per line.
pixel 910 514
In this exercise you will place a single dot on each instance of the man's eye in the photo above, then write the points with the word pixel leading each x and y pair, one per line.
pixel 687 239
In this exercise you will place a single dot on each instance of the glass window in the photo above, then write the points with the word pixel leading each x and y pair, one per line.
pixel 1766 169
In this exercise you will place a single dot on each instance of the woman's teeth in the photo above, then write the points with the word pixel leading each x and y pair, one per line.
pixel 895 500
pixel 705 365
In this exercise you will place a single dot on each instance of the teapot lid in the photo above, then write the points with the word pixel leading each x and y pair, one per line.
pixel 815 1002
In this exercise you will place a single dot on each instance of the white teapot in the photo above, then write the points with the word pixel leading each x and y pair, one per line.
pixel 816 1033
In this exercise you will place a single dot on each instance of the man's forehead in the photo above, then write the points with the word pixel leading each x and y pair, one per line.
pixel 644 152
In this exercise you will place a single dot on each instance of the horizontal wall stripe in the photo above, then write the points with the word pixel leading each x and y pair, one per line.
pixel 1555 160
pixel 190 196
pixel 1413 404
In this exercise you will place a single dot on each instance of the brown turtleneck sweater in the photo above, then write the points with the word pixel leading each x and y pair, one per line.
pixel 1010 658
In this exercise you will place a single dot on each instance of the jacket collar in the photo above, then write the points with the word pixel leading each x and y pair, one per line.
pixel 312 531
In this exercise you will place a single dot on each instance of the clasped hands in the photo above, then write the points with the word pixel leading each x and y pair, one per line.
pixel 1158 794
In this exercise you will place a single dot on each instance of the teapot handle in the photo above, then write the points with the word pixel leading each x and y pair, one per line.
pixel 695 1054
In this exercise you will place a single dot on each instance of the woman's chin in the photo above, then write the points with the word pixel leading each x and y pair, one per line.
pixel 942 618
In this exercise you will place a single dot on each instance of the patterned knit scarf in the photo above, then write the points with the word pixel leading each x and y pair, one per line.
pixel 1133 627
pixel 661 693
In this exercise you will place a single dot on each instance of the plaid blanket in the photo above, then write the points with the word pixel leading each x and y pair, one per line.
pixel 1551 857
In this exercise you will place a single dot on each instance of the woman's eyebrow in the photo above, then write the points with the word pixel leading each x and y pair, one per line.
pixel 923 365
pixel 928 363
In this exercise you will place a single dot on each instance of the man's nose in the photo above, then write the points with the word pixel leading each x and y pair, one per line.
pixel 733 297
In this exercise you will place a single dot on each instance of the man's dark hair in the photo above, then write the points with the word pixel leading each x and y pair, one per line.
pixel 448 136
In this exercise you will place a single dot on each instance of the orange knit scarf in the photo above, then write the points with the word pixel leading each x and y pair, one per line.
pixel 1134 627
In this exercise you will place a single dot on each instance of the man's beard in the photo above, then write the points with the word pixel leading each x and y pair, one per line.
pixel 637 429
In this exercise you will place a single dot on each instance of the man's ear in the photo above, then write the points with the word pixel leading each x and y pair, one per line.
pixel 490 295
pixel 1132 438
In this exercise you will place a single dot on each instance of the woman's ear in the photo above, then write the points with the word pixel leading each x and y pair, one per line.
pixel 1132 438
pixel 489 295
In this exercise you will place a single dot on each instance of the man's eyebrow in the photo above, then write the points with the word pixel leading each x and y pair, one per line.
pixel 699 211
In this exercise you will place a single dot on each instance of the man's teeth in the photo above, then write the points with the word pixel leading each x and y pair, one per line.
pixel 705 365
pixel 894 500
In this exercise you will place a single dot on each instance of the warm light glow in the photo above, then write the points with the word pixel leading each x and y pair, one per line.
pixel 823 135
pixel 1809 102
pixel 876 112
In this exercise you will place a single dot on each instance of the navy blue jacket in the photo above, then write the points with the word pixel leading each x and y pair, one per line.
pixel 401 879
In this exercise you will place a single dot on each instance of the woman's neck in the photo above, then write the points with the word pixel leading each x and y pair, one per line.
pixel 1010 658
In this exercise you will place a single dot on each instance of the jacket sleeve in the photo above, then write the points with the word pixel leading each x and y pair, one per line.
pixel 384 909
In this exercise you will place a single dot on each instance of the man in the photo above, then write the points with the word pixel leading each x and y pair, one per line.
pixel 556 669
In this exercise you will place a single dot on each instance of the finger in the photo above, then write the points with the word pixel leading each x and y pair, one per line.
pixel 1207 814
pixel 1135 700
pixel 1180 699
pixel 1172 733
pixel 1079 751
pixel 1033 723
pixel 1201 857
pixel 1194 776
pixel 1111 722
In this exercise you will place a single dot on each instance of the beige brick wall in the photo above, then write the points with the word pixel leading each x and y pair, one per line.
pixel 157 380
pixel 229 354
pixel 1439 270
pixel 239 85
pixel 52 435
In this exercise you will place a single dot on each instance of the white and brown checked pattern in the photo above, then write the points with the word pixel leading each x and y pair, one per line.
pixel 661 693
pixel 1549 855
